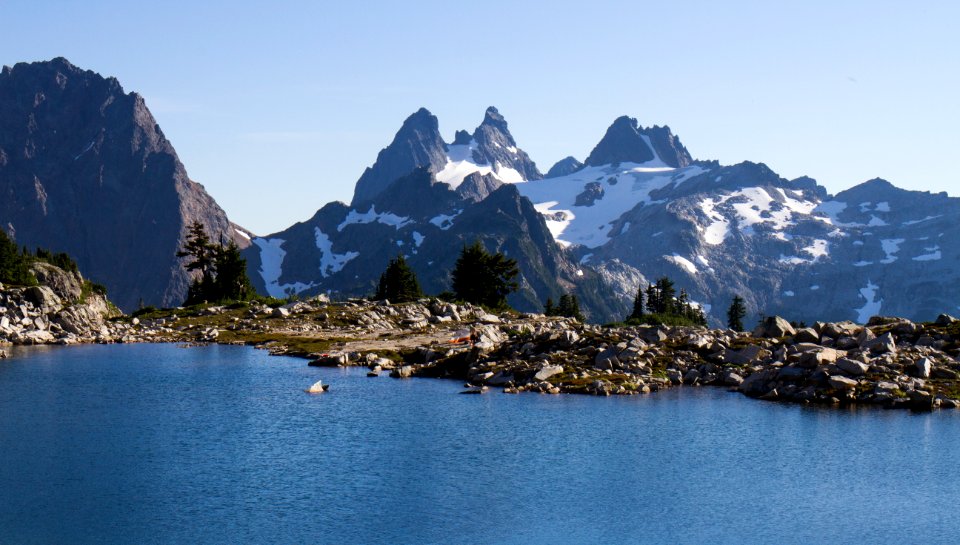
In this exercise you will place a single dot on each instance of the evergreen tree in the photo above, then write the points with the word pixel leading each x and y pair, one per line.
pixel 653 299
pixel 549 309
pixel 231 282
pixel 736 313
pixel 223 271
pixel 684 308
pixel 666 295
pixel 483 278
pixel 201 251
pixel 398 283
pixel 14 265
pixel 570 307
pixel 638 310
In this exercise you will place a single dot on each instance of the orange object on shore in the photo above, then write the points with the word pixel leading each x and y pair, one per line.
pixel 460 337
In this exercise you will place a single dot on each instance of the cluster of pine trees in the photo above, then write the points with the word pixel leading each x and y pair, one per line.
pixel 659 303
pixel 483 278
pixel 569 306
pixel 223 271
pixel 479 277
pixel 15 263
pixel 398 283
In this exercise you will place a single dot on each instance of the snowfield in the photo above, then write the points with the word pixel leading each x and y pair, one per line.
pixel 624 187
pixel 460 164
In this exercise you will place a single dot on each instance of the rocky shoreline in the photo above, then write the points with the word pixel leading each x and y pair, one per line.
pixel 889 362
pixel 63 309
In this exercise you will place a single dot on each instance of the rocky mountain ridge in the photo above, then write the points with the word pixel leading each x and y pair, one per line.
pixel 85 169
pixel 641 207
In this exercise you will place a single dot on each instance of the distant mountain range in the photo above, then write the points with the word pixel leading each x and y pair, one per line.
pixel 86 170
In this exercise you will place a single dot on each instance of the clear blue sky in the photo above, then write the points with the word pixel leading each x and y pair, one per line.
pixel 278 107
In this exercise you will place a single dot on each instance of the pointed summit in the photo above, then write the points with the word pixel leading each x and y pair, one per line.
pixel 496 147
pixel 627 142
pixel 94 176
pixel 416 144
pixel 492 118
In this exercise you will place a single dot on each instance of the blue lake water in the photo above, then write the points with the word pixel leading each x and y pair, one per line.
pixel 160 444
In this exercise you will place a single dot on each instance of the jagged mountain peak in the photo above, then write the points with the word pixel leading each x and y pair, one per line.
pixel 417 144
pixel 490 149
pixel 493 118
pixel 493 145
pixel 462 138
pixel 625 141
pixel 90 173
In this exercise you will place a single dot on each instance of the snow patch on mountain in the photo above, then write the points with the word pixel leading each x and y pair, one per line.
pixel 932 255
pixel 890 247
pixel 914 222
pixel 759 206
pixel 832 210
pixel 872 305
pixel 271 261
pixel 719 226
pixel 752 206
pixel 460 164
pixel 372 216
pixel 683 262
pixel 657 161
pixel 271 267
pixel 330 262
pixel 445 221
pixel 819 248
pixel 85 150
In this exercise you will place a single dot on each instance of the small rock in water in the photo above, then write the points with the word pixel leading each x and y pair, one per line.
pixel 475 390
pixel 318 388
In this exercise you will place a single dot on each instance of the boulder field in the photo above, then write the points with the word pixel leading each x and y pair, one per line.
pixel 889 362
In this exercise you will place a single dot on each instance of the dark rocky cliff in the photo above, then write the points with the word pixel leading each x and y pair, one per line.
pixel 85 169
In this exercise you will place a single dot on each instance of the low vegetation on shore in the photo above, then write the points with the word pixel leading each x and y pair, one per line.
pixel 890 362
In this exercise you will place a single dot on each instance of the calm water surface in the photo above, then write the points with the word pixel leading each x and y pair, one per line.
pixel 160 444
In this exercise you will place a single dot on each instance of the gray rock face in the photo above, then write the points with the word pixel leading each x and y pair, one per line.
pixel 627 142
pixel 567 165
pixel 496 146
pixel 53 313
pixel 476 186
pixel 417 144
pixel 592 192
pixel 85 169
